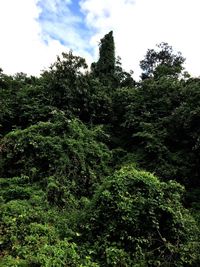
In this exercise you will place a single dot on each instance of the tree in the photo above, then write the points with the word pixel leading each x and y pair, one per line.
pixel 123 78
pixel 64 79
pixel 163 62
pixel 108 68
pixel 104 68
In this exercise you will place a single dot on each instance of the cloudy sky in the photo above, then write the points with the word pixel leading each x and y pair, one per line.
pixel 33 32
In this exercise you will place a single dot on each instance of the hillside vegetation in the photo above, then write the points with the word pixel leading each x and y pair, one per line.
pixel 98 169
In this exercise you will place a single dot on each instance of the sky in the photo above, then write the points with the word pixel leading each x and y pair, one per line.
pixel 34 32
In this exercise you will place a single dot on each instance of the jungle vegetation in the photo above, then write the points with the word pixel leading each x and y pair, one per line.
pixel 98 169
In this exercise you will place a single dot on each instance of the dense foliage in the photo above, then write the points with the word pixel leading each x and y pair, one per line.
pixel 136 220
pixel 97 169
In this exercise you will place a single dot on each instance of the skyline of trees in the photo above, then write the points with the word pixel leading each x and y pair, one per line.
pixel 98 169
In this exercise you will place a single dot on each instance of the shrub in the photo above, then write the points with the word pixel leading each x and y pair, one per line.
pixel 134 212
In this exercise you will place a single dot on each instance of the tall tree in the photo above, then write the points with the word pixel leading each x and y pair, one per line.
pixel 104 68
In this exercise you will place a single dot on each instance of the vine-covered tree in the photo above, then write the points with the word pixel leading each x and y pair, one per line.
pixel 75 148
pixel 104 68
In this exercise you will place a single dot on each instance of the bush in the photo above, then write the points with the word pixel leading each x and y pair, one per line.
pixel 62 148
pixel 137 214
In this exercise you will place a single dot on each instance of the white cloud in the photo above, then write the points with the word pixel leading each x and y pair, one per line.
pixel 29 44
pixel 23 47
pixel 58 22
pixel 141 24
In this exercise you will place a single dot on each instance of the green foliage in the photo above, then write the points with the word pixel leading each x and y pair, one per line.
pixel 16 188
pixel 7 103
pixel 105 67
pixel 159 124
pixel 30 239
pixel 65 81
pixel 33 105
pixel 162 62
pixel 135 217
pixel 122 78
pixel 108 69
pixel 22 101
pixel 184 133
pixel 100 104
pixel 64 148
pixel 72 146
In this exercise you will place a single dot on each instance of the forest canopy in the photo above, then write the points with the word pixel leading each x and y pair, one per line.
pixel 98 169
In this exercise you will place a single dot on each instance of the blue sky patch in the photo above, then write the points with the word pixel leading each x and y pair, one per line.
pixel 63 20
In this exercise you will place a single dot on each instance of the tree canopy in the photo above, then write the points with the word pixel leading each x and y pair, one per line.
pixel 97 169
pixel 162 62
